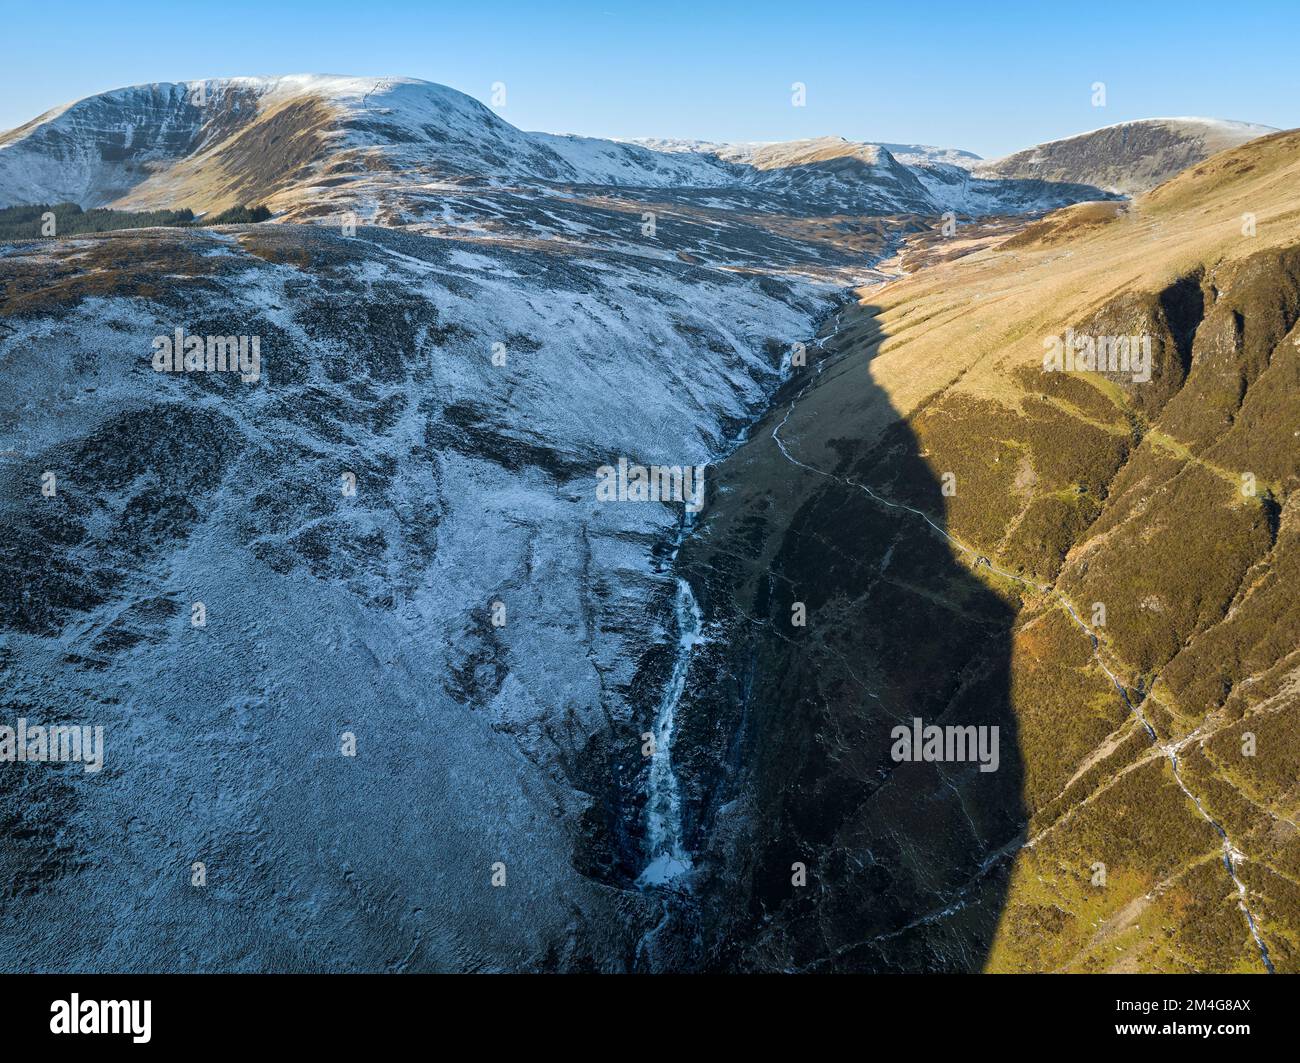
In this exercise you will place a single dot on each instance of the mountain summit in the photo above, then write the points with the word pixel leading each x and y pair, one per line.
pixel 211 144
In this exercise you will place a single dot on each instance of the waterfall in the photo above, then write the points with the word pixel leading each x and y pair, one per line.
pixel 668 858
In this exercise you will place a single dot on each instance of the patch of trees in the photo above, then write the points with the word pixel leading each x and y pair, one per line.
pixel 47 220
pixel 239 216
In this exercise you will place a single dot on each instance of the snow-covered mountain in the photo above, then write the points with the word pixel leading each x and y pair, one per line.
pixel 256 136
pixel 298 141
pixel 304 144
pixel 909 154
pixel 422 442
pixel 434 400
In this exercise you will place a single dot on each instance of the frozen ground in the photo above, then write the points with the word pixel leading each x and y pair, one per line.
pixel 326 614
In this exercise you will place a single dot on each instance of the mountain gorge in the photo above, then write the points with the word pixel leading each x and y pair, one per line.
pixel 395 533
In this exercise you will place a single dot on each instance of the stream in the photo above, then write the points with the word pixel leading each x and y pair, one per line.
pixel 668 857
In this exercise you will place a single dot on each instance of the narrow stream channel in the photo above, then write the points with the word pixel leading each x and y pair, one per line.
pixel 665 847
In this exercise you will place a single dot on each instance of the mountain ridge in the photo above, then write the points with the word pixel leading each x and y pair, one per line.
pixel 219 143
pixel 1127 157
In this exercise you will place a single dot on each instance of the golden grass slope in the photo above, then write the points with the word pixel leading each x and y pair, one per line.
pixel 269 160
pixel 986 314
pixel 1169 504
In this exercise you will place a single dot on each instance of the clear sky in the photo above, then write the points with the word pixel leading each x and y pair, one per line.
pixel 988 77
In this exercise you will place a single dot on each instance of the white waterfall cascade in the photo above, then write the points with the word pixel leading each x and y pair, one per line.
pixel 668 857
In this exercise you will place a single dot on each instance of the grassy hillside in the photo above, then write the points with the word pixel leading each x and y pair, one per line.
pixel 1162 512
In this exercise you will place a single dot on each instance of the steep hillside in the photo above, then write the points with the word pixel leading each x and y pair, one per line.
pixel 1098 563
pixel 348 515
pixel 418 443
pixel 1127 158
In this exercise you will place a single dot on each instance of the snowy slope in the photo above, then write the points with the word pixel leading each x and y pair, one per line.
pixel 370 613
pixel 366 613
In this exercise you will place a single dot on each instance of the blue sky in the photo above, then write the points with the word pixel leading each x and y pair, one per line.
pixel 989 77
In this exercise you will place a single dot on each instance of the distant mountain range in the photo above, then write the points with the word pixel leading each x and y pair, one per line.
pixel 292 142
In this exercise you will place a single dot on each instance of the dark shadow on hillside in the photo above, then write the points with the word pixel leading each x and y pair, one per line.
pixel 787 735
